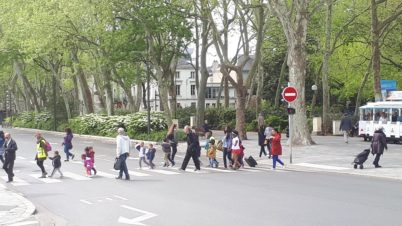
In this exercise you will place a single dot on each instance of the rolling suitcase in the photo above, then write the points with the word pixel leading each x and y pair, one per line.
pixel 250 161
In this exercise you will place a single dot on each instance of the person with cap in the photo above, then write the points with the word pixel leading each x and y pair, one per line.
pixel 379 143
pixel 346 126
pixel 122 152
pixel 193 147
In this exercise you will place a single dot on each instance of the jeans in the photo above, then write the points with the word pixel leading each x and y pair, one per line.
pixel 123 166
pixel 56 169
pixel 67 151
pixel 275 158
pixel 376 159
pixel 151 163
pixel 213 163
pixel 346 136
pixel 142 159
pixel 227 154
pixel 262 150
pixel 174 151
pixel 40 162
pixel 191 154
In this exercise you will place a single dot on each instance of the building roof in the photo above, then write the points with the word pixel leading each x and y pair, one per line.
pixel 184 64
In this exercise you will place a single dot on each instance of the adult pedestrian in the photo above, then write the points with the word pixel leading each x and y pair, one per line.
pixel 172 138
pixel 346 126
pixel 68 145
pixel 236 150
pixel 2 140
pixel 122 152
pixel 227 147
pixel 261 140
pixel 193 148
pixel 378 145
pixel 10 147
pixel 276 148
pixel 41 153
pixel 268 134
pixel 261 120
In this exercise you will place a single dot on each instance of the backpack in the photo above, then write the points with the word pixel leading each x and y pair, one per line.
pixel 47 146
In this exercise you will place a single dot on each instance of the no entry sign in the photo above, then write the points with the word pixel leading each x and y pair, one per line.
pixel 289 94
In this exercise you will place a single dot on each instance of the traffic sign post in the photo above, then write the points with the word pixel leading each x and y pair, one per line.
pixel 289 94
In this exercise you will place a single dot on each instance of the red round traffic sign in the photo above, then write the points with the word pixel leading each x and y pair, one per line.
pixel 289 94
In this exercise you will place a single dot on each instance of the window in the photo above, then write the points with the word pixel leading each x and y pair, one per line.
pixel 193 104
pixel 213 105
pixel 192 75
pixel 212 92
pixel 192 90
pixel 177 90
pixel 207 105
pixel 177 74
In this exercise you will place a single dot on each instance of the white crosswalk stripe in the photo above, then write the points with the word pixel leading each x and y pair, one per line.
pixel 135 173
pixel 104 174
pixel 46 180
pixel 16 181
pixel 75 176
pixel 165 172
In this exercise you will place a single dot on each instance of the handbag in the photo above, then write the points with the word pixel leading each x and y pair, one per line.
pixel 117 164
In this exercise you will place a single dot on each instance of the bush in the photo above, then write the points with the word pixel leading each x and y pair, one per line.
pixel 35 120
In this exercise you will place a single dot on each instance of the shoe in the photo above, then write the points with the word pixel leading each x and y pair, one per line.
pixel 377 166
pixel 127 178
pixel 61 177
pixel 195 170
pixel 95 171
pixel 43 176
pixel 118 178
pixel 182 169
pixel 66 160
pixel 72 157
pixel 51 176
pixel 9 181
pixel 173 164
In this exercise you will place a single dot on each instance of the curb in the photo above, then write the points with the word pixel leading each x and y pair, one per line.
pixel 24 208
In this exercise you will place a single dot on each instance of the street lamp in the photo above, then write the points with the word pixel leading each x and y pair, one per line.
pixel 314 88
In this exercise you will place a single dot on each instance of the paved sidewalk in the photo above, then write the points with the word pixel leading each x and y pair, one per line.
pixel 14 208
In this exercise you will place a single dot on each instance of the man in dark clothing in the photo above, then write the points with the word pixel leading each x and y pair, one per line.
pixel 378 144
pixel 10 147
pixel 346 126
pixel 193 145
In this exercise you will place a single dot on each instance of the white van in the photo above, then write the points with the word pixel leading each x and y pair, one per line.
pixel 386 114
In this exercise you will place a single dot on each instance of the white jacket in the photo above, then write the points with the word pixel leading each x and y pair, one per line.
pixel 143 151
pixel 123 144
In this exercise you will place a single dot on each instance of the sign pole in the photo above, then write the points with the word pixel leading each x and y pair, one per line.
pixel 289 94
pixel 290 133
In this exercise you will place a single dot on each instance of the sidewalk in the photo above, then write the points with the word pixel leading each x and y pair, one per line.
pixel 13 207
pixel 330 154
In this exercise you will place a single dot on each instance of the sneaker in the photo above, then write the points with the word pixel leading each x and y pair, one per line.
pixel 61 177
pixel 66 160
pixel 43 176
pixel 377 166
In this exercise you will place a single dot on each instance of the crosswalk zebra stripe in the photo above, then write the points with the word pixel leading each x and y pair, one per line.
pixel 134 173
pixel 215 169
pixel 16 181
pixel 107 175
pixel 45 180
pixel 75 176
pixel 166 172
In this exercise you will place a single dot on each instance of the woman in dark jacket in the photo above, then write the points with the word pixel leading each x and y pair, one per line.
pixel 378 145
pixel 172 139
pixel 68 145
pixel 261 140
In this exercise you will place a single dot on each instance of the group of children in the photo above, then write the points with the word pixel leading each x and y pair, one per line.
pixel 149 154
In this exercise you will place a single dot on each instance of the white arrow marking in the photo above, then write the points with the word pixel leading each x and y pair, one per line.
pixel 137 220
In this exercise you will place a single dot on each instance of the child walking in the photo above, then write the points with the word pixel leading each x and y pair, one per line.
pixel 142 155
pixel 151 155
pixel 89 160
pixel 56 162
pixel 212 154
pixel 166 149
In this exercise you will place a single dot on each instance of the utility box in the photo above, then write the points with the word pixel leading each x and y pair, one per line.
pixel 335 128
pixel 317 125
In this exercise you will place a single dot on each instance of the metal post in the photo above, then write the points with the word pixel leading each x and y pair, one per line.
pixel 290 118
pixel 148 99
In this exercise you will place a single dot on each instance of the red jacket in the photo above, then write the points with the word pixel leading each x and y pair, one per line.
pixel 276 145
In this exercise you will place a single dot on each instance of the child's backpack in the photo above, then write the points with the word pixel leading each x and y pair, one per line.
pixel 47 146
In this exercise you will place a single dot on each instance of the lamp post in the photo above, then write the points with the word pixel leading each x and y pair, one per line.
pixel 314 88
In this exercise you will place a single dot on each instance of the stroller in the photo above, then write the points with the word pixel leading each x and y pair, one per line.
pixel 361 158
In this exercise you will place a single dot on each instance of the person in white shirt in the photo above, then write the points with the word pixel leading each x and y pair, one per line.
pixel 122 152
pixel 142 154
pixel 236 150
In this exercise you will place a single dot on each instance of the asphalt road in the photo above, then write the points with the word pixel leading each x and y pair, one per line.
pixel 211 197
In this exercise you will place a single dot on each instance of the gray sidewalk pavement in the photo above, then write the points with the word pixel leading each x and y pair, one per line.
pixel 14 208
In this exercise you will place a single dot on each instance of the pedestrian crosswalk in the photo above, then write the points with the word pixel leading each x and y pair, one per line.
pixel 25 177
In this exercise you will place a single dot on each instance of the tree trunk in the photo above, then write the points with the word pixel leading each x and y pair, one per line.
pixel 106 75
pixel 137 105
pixel 163 94
pixel 260 87
pixel 362 85
pixel 82 83
pixel 226 92
pixel 101 92
pixel 241 106
pixel 279 86
pixel 126 89
pixel 326 124
pixel 375 49
pixel 30 92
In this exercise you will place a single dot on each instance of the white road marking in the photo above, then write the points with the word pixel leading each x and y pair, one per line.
pixel 16 181
pixel 20 157
pixel 109 199
pixel 137 174
pixel 2 186
pixel 321 166
pixel 136 221
pixel 190 169
pixel 249 170
pixel 86 202
pixel 75 176
pixel 133 158
pixel 215 169
pixel 166 172
pixel 45 180
pixel 24 223
pixel 120 197
pixel 107 175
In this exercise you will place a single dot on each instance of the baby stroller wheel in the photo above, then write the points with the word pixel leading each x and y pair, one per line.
pixel 361 166
pixel 355 166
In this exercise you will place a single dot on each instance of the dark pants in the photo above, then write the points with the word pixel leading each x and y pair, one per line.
pixel 269 143
pixel 174 151
pixel 39 162
pixel 227 154
pixel 1 159
pixel 8 166
pixel 123 166
pixel 191 154
pixel 262 150
pixel 376 159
